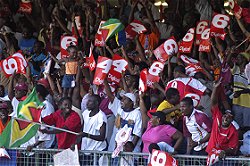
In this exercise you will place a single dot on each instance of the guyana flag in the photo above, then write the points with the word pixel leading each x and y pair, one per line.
pixel 17 132
pixel 110 28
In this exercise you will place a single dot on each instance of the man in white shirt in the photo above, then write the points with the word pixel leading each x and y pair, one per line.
pixel 125 114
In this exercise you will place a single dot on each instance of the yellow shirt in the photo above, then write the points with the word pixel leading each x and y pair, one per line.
pixel 166 105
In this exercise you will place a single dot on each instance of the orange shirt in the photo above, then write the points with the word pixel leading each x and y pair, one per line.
pixel 2 126
pixel 153 40
pixel 71 67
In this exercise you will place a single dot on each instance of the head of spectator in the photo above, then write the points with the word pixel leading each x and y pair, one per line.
pixel 2 92
pixel 242 59
pixel 187 106
pixel 4 110
pixel 93 103
pixel 128 101
pixel 42 92
pixel 21 90
pixel 155 100
pixel 227 118
pixel 38 47
pixel 153 146
pixel 172 96
pixel 129 146
pixel 66 105
pixel 158 118
pixel 44 82
pixel 132 81
pixel 72 50
pixel 179 71
pixel 27 34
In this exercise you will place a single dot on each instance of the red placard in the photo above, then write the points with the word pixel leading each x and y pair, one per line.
pixel 119 65
pixel 188 60
pixel 14 63
pixel 219 23
pixel 167 48
pixel 65 42
pixel 191 69
pixel 143 81
pixel 25 6
pixel 187 42
pixel 102 69
pixel 205 44
pixel 90 61
pixel 134 28
pixel 99 41
pixel 153 73
pixel 237 10
pixel 201 26
pixel 160 158
pixel 78 26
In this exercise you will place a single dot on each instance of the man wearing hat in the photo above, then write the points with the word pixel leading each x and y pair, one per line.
pixel 241 104
pixel 17 94
pixel 125 114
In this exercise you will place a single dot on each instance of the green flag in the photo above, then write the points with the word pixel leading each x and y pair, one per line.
pixel 18 132
pixel 110 28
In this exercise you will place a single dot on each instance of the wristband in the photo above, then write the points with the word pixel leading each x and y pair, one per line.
pixel 88 135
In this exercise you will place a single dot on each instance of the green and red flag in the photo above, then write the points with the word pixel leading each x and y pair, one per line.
pixel 17 132
pixel 110 28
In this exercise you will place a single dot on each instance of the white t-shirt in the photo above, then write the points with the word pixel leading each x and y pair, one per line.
pixel 92 126
pixel 133 118
pixel 14 103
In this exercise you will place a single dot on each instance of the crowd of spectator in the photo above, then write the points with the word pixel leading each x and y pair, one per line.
pixel 162 116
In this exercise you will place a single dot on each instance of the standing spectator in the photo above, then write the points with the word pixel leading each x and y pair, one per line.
pixel 4 118
pixel 125 114
pixel 27 42
pixel 224 135
pixel 196 127
pixel 67 119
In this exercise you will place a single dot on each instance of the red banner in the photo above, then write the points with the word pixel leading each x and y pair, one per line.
pixel 205 44
pixel 160 158
pixel 143 81
pixel 119 65
pixel 187 42
pixel 102 69
pixel 99 41
pixel 78 26
pixel 167 48
pixel 201 26
pixel 237 10
pixel 65 42
pixel 153 73
pixel 90 61
pixel 191 69
pixel 25 6
pixel 134 28
pixel 14 63
pixel 219 23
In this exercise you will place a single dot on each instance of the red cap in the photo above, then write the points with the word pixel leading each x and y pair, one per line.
pixel 21 86
pixel 44 82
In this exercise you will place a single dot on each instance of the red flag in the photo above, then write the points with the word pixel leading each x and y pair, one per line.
pixel 134 28
pixel 118 66
pixel 99 41
pixel 25 6
pixel 219 23
pixel 143 80
pixel 163 51
pixel 191 69
pixel 201 26
pixel 162 158
pixel 92 63
pixel 188 60
pixel 187 42
pixel 102 69
pixel 65 42
pixel 153 73
pixel 205 44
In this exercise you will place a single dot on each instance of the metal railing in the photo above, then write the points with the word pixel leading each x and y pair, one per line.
pixel 44 157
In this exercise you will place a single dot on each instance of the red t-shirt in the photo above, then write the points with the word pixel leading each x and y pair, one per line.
pixel 221 138
pixel 73 123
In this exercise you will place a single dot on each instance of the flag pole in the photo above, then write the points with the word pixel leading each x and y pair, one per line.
pixel 45 125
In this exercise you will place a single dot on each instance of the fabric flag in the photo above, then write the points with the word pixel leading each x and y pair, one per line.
pixel 110 28
pixel 18 132
pixel 120 38
pixel 90 61
pixel 162 158
pixel 143 81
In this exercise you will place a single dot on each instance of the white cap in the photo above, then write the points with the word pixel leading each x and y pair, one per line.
pixel 131 96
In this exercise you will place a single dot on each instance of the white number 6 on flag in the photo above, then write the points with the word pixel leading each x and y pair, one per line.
pixel 220 21
pixel 156 68
pixel 170 45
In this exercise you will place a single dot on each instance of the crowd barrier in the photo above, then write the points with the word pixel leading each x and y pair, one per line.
pixel 44 157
